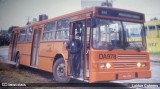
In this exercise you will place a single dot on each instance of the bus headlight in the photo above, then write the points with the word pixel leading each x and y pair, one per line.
pixel 138 64
pixel 108 65
pixel 102 65
pixel 143 64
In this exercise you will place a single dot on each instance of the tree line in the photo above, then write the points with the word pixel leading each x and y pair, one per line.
pixel 5 36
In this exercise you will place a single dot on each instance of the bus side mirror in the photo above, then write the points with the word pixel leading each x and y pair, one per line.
pixel 93 23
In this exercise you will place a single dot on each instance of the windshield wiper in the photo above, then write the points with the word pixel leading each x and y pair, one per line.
pixel 110 47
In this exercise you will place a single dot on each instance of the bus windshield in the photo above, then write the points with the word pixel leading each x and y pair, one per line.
pixel 134 35
pixel 109 34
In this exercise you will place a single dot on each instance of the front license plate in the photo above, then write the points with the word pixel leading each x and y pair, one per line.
pixel 126 76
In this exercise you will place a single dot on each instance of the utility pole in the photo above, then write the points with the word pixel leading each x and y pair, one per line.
pixel 107 3
pixel 28 18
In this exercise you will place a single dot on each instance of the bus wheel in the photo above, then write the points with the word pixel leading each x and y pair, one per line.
pixel 17 61
pixel 59 71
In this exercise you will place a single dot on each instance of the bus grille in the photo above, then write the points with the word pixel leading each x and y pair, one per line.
pixel 126 58
pixel 132 56
pixel 118 65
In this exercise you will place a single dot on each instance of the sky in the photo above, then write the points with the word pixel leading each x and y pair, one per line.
pixel 16 12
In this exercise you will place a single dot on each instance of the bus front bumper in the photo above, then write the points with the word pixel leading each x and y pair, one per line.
pixel 108 76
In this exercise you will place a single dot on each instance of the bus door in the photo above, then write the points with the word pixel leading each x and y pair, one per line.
pixel 35 47
pixel 79 27
pixel 14 44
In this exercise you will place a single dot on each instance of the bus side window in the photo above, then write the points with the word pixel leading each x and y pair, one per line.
pixel 62 28
pixel 22 37
pixel 49 31
pixel 65 34
pixel 53 35
pixel 58 35
pixel 29 34
pixel 45 36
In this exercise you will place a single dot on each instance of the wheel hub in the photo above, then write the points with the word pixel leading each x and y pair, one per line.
pixel 60 70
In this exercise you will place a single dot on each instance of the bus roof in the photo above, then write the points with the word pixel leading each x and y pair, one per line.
pixel 97 12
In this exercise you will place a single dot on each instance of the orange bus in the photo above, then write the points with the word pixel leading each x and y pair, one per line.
pixel 110 50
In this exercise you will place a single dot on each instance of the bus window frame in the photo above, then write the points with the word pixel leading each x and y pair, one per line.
pixel 29 36
pixel 63 23
pixel 57 29
pixel 121 21
pixel 11 38
pixel 30 41
pixel 53 32
pixel 19 38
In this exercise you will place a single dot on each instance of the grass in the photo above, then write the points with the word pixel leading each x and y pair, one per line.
pixel 9 74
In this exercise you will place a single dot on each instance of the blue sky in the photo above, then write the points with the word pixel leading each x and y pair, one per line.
pixel 15 12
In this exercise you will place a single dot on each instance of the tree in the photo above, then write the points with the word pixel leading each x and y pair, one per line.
pixel 107 3
pixel 155 18
pixel 4 38
pixel 11 29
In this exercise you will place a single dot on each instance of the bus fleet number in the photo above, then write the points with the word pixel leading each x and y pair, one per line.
pixel 107 56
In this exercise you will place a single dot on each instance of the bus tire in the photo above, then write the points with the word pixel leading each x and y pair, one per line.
pixel 59 71
pixel 17 61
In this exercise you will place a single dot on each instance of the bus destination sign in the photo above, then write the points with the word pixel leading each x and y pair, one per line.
pixel 120 14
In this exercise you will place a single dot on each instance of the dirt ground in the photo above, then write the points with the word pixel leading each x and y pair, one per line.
pixel 9 74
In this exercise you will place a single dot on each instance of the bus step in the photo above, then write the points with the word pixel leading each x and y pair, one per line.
pixel 34 66
pixel 79 78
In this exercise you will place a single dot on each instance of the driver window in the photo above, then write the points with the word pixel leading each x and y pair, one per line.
pixel 106 34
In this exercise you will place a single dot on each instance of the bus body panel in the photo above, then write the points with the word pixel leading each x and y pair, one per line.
pixel 124 75
pixel 50 49
pixel 45 63
pixel 123 66
pixel 9 51
pixel 24 50
pixel 47 53
pixel 13 44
